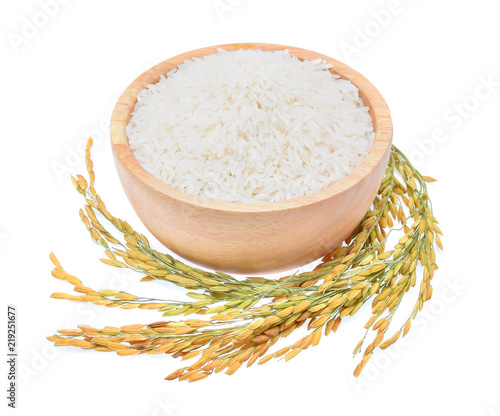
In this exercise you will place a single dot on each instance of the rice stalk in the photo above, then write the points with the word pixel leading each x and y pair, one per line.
pixel 244 319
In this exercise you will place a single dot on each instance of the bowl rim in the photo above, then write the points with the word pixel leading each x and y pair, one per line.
pixel 377 106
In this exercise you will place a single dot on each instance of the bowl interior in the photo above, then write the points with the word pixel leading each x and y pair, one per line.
pixel 378 110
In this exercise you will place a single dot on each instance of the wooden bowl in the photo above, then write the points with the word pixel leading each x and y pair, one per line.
pixel 252 238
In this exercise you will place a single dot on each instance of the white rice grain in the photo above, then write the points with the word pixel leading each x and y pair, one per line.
pixel 250 126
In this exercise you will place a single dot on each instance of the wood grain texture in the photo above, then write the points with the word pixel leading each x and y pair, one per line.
pixel 252 238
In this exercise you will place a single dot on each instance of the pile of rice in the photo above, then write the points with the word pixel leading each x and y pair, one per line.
pixel 250 126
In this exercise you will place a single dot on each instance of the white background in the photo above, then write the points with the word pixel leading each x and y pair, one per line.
pixel 59 82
